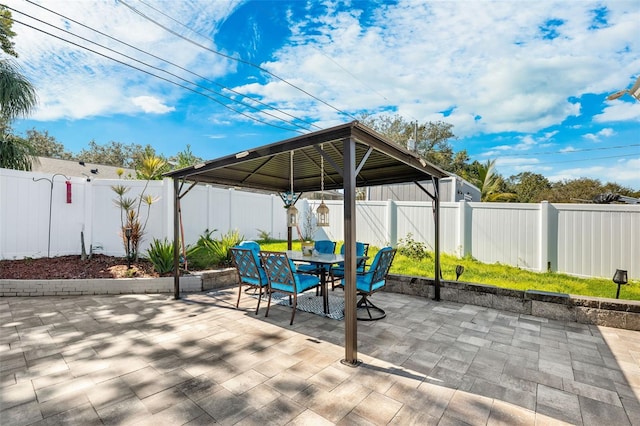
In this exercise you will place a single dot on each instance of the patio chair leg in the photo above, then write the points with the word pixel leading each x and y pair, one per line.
pixel 259 299
pixel 365 303
pixel 268 304
pixel 295 304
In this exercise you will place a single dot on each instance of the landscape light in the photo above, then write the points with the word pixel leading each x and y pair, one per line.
pixel 620 277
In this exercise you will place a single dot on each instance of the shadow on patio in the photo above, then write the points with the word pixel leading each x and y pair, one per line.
pixel 148 359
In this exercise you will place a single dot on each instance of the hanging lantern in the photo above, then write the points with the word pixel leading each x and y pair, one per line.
pixel 292 216
pixel 292 212
pixel 322 212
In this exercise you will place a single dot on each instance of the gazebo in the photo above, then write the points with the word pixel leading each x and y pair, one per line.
pixel 354 156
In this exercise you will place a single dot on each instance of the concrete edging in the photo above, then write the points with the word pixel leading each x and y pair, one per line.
pixel 200 281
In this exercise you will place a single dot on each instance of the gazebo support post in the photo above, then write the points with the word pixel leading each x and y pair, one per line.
pixel 350 297
pixel 176 239
pixel 436 220
pixel 435 199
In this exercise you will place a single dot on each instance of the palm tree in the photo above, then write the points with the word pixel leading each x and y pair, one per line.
pixel 17 98
pixel 489 182
pixel 17 95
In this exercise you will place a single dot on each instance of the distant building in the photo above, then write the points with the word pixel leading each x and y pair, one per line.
pixel 79 169
pixel 452 189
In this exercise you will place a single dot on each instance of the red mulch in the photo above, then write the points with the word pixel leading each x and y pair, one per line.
pixel 69 267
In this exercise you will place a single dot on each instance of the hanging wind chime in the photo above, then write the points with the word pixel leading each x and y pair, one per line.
pixel 322 212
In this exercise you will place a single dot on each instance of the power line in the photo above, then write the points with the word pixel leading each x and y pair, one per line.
pixel 164 60
pixel 133 9
pixel 156 76
pixel 570 151
pixel 575 161
pixel 164 71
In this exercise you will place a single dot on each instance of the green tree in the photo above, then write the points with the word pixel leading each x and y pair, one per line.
pixel 492 186
pixel 529 187
pixel 17 94
pixel 46 145
pixel 432 139
pixel 6 33
pixel 17 98
pixel 15 153
pixel 575 190
pixel 116 154
pixel 184 158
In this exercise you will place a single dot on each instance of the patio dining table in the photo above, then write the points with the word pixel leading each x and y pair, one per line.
pixel 324 262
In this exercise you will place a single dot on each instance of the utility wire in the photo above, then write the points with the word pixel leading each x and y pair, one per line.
pixel 575 161
pixel 164 71
pixel 157 76
pixel 570 151
pixel 133 9
pixel 319 50
pixel 168 62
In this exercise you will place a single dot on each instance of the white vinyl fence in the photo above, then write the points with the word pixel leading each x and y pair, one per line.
pixel 579 239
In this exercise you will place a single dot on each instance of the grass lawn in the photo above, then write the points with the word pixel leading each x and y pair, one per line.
pixel 499 275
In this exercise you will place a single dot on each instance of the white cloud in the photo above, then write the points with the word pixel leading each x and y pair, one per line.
pixel 151 104
pixel 625 172
pixel 74 83
pixel 618 111
pixel 596 137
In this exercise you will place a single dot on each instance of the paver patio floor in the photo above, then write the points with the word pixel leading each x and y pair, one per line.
pixel 149 359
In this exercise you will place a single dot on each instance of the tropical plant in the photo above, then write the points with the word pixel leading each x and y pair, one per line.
pixel 17 98
pixel 17 94
pixel 16 153
pixel 211 252
pixel 131 207
pixel 230 239
pixel 265 236
pixel 490 183
pixel 160 254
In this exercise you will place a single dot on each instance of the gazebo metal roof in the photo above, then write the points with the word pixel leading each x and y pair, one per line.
pixel 268 167
pixel 355 156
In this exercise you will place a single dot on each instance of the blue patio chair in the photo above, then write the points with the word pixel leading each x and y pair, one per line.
pixel 374 280
pixel 321 246
pixel 284 278
pixel 246 258
pixel 337 271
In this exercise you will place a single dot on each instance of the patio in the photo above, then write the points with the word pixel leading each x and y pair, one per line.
pixel 149 359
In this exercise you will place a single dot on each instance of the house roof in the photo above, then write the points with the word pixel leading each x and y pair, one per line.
pixel 78 169
pixel 268 167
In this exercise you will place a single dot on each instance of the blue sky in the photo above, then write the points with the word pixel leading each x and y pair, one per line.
pixel 523 82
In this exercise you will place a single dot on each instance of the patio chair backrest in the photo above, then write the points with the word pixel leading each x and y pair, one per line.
pixel 248 268
pixel 280 270
pixel 376 275
pixel 361 250
pixel 325 246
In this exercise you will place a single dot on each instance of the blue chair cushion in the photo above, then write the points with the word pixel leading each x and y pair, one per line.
pixel 303 282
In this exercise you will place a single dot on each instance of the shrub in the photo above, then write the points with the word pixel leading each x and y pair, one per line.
pixel 209 252
pixel 413 249
pixel 265 236
pixel 160 254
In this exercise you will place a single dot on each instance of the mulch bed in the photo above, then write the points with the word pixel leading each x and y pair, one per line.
pixel 72 267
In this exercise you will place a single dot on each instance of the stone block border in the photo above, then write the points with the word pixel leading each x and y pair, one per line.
pixel 566 307
pixel 559 306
